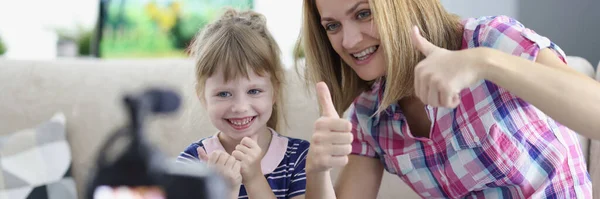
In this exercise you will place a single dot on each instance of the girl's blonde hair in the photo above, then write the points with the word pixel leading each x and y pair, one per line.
pixel 236 43
pixel 394 20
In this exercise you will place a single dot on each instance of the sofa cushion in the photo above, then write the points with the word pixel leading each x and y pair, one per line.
pixel 581 65
pixel 598 72
pixel 36 162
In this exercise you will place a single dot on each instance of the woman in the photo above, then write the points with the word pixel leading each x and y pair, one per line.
pixel 473 108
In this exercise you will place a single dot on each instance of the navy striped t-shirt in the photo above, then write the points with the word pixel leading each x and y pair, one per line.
pixel 282 166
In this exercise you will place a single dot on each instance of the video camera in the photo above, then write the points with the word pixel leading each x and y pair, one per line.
pixel 128 166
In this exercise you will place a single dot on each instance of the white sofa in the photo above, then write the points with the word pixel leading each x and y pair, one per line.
pixel 89 93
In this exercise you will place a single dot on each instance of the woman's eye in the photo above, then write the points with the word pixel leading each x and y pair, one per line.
pixel 224 94
pixel 331 26
pixel 363 14
pixel 254 92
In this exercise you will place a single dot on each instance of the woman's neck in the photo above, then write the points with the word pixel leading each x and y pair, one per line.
pixel 263 140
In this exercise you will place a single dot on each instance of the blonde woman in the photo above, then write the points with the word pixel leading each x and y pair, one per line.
pixel 456 108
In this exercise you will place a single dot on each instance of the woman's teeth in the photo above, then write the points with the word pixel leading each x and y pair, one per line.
pixel 365 53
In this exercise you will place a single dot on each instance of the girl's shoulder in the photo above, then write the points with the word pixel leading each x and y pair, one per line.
pixel 295 142
pixel 298 142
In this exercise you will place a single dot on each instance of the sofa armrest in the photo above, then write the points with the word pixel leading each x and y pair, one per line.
pixel 594 161
pixel 598 71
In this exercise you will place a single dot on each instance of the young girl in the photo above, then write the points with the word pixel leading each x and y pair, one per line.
pixel 465 111
pixel 239 82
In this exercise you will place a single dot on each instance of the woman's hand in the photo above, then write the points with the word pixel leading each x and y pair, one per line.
pixel 331 142
pixel 441 76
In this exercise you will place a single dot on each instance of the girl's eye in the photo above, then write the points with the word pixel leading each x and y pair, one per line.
pixel 332 26
pixel 254 92
pixel 363 14
pixel 224 94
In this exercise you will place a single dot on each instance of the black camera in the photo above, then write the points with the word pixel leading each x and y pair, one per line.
pixel 128 166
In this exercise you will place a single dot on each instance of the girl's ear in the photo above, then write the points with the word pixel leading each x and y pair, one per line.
pixel 200 94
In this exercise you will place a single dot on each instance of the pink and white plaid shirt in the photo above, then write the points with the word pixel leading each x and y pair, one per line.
pixel 493 145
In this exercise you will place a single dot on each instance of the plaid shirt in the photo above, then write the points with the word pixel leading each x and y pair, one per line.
pixel 493 145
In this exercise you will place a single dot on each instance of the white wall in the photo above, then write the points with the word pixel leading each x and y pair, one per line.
pixel 572 25
pixel 27 26
pixel 284 19
pixel 477 8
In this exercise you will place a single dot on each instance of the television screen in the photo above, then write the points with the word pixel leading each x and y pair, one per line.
pixel 156 28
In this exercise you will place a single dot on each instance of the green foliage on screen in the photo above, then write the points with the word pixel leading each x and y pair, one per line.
pixel 145 28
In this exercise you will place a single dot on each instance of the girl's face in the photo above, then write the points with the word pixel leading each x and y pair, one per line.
pixel 353 35
pixel 239 107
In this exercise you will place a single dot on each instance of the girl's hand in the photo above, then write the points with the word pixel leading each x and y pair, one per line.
pixel 225 164
pixel 331 142
pixel 249 154
pixel 441 76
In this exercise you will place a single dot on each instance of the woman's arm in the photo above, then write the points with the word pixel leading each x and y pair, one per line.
pixel 360 179
pixel 319 186
pixel 564 94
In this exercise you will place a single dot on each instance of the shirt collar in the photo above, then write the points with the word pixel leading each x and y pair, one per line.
pixel 270 162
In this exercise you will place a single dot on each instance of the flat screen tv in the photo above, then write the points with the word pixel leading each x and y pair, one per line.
pixel 154 28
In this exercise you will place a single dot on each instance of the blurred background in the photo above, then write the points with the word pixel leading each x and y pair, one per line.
pixel 42 29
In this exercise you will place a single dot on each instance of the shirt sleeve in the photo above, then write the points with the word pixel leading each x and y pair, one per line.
pixel 360 144
pixel 510 36
pixel 189 155
pixel 298 178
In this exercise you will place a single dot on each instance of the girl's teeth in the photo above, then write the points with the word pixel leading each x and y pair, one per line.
pixel 243 122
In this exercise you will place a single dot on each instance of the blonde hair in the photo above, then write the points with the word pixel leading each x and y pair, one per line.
pixel 394 20
pixel 238 42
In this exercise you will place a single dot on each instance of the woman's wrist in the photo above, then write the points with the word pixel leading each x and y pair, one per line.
pixel 488 63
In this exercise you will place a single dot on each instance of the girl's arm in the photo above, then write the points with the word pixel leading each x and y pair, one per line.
pixel 234 193
pixel 249 154
pixel 564 94
pixel 258 188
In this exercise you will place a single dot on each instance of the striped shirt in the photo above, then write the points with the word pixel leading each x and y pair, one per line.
pixel 493 145
pixel 282 165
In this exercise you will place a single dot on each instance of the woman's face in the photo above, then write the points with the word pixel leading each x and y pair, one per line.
pixel 353 35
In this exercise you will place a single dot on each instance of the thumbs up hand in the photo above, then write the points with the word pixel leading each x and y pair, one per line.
pixel 441 76
pixel 331 141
